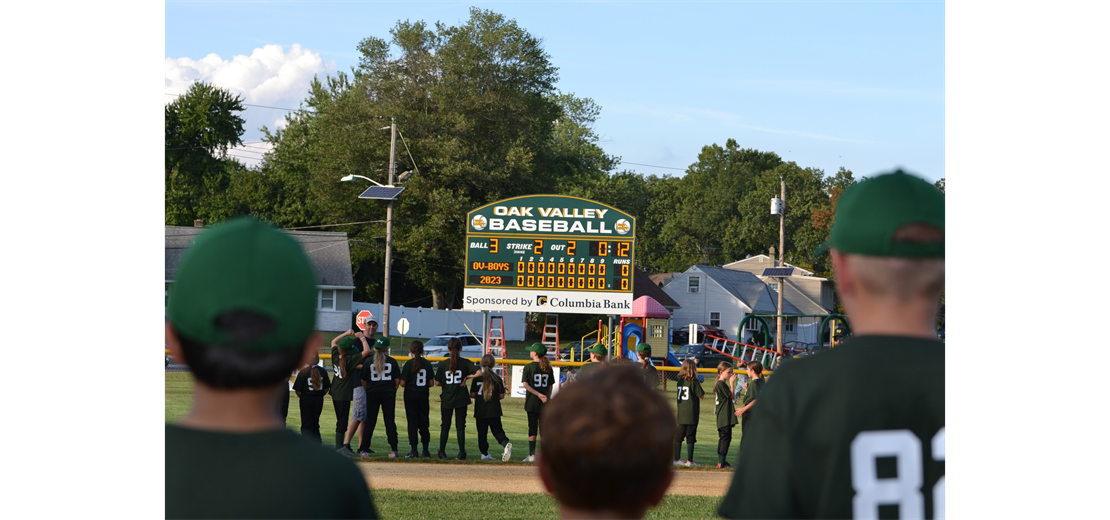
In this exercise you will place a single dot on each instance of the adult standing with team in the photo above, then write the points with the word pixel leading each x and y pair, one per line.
pixel 537 378
pixel 858 431
pixel 346 391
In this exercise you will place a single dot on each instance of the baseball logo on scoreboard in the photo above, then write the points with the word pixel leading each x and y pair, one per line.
pixel 478 223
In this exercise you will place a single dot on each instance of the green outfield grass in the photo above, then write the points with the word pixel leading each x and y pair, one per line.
pixel 179 391
pixel 412 505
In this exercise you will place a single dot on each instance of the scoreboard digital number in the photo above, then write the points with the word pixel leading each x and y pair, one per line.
pixel 547 263
pixel 549 253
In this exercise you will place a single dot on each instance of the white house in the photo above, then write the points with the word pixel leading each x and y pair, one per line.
pixel 723 297
pixel 331 259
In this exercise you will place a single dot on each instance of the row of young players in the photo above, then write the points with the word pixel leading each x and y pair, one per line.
pixel 378 386
pixel 366 382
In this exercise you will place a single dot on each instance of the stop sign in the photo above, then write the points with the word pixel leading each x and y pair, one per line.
pixel 361 319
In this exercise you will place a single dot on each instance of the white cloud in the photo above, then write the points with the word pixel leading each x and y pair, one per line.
pixel 269 76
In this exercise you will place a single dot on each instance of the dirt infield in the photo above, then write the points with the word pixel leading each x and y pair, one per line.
pixel 513 478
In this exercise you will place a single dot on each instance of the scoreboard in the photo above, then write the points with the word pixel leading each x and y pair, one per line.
pixel 549 253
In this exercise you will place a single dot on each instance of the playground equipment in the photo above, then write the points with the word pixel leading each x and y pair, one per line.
pixel 648 322
pixel 765 328
pixel 551 335
pixel 495 345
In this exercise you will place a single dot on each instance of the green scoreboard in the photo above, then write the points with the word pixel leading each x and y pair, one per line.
pixel 549 253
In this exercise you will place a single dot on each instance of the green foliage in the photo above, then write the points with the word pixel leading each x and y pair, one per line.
pixel 478 110
pixel 200 127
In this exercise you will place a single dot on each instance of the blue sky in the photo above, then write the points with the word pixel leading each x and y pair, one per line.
pixel 824 84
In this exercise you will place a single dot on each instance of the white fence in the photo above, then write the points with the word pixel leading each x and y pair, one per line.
pixel 428 323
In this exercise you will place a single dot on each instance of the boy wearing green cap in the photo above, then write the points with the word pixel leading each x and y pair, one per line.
pixel 537 378
pixel 858 432
pixel 242 315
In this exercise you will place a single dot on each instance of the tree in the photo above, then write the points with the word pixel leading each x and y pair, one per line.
pixel 478 111
pixel 200 127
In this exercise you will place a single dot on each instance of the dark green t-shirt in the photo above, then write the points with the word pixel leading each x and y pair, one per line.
pixel 303 383
pixel 689 401
pixel 830 431
pixel 418 376
pixel 386 381
pixel 751 394
pixel 540 381
pixel 454 394
pixel 272 474
pixel 588 368
pixel 482 409
pixel 343 388
pixel 651 375
pixel 723 406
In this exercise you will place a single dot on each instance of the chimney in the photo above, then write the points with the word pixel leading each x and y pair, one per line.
pixel 772 255
pixel 200 223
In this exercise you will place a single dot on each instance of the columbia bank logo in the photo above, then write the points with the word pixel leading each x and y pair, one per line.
pixel 541 300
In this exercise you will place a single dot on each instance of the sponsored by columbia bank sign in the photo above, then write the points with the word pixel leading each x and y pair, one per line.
pixel 583 303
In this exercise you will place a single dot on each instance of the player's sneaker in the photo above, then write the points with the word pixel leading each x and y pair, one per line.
pixel 461 456
pixel 364 453
pixel 723 465
pixel 530 458
pixel 442 455
pixel 508 453
pixel 690 464
pixel 426 455
pixel 392 455
pixel 411 455
pixel 487 456
pixel 677 462
pixel 346 451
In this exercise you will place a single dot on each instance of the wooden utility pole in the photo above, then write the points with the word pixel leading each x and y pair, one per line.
pixel 782 263
pixel 389 227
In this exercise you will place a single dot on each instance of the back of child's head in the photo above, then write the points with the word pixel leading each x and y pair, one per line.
pixel 416 348
pixel 607 443
pixel 688 371
pixel 243 305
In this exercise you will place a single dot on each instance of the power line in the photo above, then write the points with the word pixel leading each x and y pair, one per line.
pixel 654 166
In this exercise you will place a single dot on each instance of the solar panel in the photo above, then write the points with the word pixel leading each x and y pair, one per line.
pixel 778 271
pixel 381 192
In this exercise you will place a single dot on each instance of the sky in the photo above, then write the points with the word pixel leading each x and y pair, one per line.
pixel 859 85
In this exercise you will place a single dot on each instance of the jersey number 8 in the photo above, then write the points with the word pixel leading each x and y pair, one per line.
pixel 422 378
pixel 903 490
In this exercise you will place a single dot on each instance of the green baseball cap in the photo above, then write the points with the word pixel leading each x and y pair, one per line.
pixel 643 347
pixel 598 349
pixel 869 213
pixel 538 348
pixel 348 343
pixel 381 343
pixel 244 264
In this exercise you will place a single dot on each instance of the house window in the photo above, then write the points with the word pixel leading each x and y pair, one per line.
pixel 774 286
pixel 695 284
pixel 788 324
pixel 657 331
pixel 715 319
pixel 752 325
pixel 325 299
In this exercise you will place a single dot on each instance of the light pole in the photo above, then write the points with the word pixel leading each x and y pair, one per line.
pixel 385 192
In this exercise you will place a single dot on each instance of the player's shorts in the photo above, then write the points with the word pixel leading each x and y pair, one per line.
pixel 358 407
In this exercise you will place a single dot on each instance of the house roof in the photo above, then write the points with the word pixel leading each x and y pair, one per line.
pixel 647 307
pixel 643 286
pixel 328 251
pixel 749 289
pixel 795 295
pixel 661 278
pixel 748 264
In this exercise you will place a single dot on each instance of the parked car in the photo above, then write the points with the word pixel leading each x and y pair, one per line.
pixel 574 351
pixel 681 335
pixel 472 346
pixel 703 356
pixel 797 347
